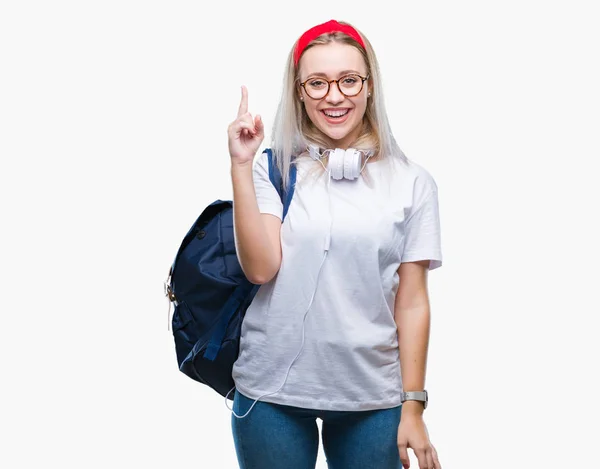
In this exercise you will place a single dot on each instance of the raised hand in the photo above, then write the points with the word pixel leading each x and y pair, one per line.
pixel 245 133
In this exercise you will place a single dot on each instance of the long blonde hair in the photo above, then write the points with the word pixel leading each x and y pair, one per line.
pixel 293 130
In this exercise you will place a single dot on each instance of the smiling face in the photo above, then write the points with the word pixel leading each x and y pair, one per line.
pixel 339 117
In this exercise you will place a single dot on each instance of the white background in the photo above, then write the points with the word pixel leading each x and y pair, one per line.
pixel 113 119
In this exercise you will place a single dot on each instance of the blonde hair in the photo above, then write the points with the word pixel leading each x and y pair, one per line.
pixel 293 130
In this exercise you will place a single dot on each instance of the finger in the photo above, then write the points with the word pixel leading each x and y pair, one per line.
pixel 247 117
pixel 243 109
pixel 239 126
pixel 430 464
pixel 249 127
pixel 404 456
pixel 436 460
pixel 422 458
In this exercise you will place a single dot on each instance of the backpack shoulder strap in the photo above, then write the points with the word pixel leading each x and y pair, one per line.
pixel 277 181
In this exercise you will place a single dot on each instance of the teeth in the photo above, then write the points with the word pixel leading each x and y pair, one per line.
pixel 336 113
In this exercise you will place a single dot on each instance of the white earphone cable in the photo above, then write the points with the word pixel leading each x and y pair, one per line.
pixel 326 249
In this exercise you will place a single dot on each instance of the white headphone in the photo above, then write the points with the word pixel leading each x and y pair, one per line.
pixel 342 163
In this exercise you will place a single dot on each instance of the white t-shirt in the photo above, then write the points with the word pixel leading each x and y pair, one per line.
pixel 350 358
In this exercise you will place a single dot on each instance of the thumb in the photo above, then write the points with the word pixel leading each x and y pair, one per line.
pixel 259 124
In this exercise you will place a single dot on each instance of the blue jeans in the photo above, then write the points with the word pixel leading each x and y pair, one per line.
pixel 274 436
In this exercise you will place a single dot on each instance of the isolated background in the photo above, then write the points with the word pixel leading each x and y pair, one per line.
pixel 113 119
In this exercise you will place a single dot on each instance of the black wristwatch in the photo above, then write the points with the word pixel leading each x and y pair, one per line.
pixel 415 396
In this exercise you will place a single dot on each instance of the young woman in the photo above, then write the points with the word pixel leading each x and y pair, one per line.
pixel 339 328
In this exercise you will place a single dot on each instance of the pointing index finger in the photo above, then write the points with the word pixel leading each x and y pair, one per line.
pixel 244 102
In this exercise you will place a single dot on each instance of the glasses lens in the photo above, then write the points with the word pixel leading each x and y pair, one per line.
pixel 351 85
pixel 316 88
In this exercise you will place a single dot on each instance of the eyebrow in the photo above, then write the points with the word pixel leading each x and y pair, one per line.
pixel 343 72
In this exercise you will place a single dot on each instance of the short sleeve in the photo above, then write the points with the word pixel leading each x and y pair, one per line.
pixel 422 231
pixel 266 195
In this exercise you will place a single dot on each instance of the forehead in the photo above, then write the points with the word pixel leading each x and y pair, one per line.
pixel 331 59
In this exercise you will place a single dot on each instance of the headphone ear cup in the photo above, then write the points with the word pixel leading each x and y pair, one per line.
pixel 357 163
pixel 351 164
pixel 336 163
pixel 348 164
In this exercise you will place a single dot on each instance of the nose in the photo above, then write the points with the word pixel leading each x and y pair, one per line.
pixel 334 96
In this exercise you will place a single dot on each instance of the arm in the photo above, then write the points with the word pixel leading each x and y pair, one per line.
pixel 412 316
pixel 257 236
pixel 421 253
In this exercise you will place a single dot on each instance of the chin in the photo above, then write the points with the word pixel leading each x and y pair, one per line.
pixel 337 135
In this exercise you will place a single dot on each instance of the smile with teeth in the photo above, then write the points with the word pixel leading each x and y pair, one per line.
pixel 336 113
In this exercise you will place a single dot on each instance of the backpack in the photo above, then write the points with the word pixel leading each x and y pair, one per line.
pixel 210 292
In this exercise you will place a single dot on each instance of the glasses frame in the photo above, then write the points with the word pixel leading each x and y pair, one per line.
pixel 337 82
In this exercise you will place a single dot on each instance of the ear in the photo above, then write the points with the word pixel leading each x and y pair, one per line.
pixel 299 92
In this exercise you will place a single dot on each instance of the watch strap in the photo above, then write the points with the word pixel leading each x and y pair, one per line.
pixel 415 396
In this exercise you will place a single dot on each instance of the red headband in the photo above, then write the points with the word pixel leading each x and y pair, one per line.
pixel 329 27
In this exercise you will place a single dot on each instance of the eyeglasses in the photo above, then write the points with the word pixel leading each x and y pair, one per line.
pixel 349 85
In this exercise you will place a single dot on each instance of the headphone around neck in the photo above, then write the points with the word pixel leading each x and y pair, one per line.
pixel 342 164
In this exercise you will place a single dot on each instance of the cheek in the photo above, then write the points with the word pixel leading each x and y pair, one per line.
pixel 361 107
pixel 313 113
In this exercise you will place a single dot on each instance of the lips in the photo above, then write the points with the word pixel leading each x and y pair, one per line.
pixel 336 116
